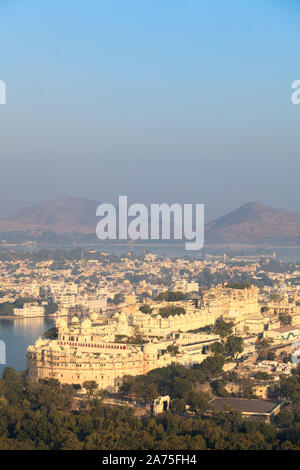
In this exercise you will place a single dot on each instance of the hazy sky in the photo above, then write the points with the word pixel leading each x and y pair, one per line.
pixel 161 100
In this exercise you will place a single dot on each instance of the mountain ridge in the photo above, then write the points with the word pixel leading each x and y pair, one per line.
pixel 255 223
pixel 63 214
pixel 251 223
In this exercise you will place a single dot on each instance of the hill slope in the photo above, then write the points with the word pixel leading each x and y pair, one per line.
pixel 63 214
pixel 255 223
pixel 252 223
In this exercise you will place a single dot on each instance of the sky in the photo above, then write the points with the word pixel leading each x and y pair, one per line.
pixel 184 101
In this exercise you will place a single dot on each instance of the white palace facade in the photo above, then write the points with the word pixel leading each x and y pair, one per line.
pixel 99 347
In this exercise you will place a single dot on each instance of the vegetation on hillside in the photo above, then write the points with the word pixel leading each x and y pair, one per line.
pixel 41 416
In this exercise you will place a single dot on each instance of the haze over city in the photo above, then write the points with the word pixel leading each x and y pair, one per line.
pixel 149 229
pixel 161 101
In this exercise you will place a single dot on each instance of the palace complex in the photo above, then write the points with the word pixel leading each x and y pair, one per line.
pixel 105 347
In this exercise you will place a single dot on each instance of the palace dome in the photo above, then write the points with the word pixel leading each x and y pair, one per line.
pixel 86 323
pixel 94 316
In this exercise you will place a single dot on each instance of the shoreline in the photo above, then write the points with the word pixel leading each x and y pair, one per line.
pixel 153 245
pixel 21 317
pixel 17 317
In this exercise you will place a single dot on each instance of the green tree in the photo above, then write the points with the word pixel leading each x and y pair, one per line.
pixel 177 405
pixel 218 348
pixel 234 345
pixel 51 308
pixel 260 375
pixel 275 297
pixel 52 333
pixel 285 319
pixel 223 328
pixel 118 299
pixel 198 401
pixel 137 336
pixel 172 349
pixel 145 308
pixel 170 296
pixel 91 387
pixel 13 385
pixel 166 312
pixel 6 308
pixel 21 301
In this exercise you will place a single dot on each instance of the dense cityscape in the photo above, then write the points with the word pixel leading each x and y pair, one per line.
pixel 149 232
pixel 182 349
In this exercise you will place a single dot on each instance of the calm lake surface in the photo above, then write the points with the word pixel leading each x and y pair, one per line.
pixel 18 334
pixel 285 254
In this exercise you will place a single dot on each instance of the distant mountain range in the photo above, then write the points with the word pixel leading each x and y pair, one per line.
pixel 255 224
pixel 252 223
pixel 64 214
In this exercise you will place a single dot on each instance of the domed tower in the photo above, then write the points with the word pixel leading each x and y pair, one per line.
pixel 62 328
pixel 150 351
pixel 86 326
pixel 86 331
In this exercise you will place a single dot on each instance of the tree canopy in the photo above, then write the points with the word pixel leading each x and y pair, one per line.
pixel 42 416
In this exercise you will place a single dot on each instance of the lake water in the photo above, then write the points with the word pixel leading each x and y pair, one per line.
pixel 17 335
pixel 285 254
pixel 289 254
